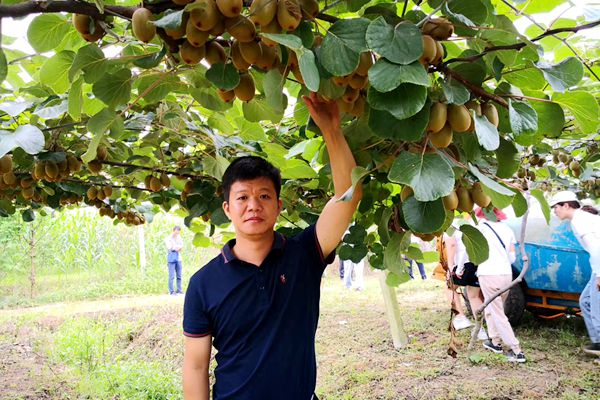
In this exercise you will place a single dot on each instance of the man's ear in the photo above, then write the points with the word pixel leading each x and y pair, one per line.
pixel 226 209
pixel 279 205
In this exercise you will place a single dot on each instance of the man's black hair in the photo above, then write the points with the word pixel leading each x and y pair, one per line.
pixel 177 228
pixel 248 168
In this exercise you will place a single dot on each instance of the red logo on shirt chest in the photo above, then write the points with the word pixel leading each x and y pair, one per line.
pixel 282 278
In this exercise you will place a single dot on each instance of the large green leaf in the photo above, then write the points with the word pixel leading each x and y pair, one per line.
pixel 429 175
pixel 529 78
pixel 508 160
pixel 170 20
pixel 523 118
pixel 519 204
pixel 47 31
pixel 551 118
pixel 308 68
pixel 475 244
pixel 75 99
pixel 563 75
pixel 403 102
pixel 114 89
pixel 384 124
pixel 489 182
pixel 290 41
pixel 3 66
pixel 487 133
pixel 455 92
pixel 341 48
pixel 54 72
pixel 539 195
pixel 385 76
pixel 273 87
pixel 393 260
pixel 99 125
pixel 28 137
pixel 208 99
pixel 424 217
pixel 402 44
pixel 91 60
pixel 258 109
pixel 297 169
pixel 584 108
pixel 154 88
pixel 224 76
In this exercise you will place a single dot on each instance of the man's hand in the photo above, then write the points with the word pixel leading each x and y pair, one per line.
pixel 325 113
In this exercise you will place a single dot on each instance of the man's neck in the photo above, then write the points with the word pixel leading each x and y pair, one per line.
pixel 253 250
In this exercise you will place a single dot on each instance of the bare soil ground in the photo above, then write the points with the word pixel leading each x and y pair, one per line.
pixel 354 349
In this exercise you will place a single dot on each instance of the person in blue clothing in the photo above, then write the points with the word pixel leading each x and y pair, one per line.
pixel 257 302
pixel 174 244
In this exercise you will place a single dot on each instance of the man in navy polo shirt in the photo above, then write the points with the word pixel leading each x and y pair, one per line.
pixel 258 301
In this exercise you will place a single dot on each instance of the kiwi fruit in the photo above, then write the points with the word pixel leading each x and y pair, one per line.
pixel 39 171
pixel 439 53
pixel 429 50
pixel 236 57
pixel 459 117
pixel 143 29
pixel 155 185
pixel 245 90
pixel 298 75
pixel 309 9
pixel 438 28
pixel 101 153
pixel 63 165
pixel 165 180
pixel 263 11
pixel 218 29
pixel 241 28
pixel 95 166
pixel 97 35
pixel 442 138
pixel 92 192
pixel 214 53
pixel 230 8
pixel 288 14
pixel 206 15
pixel 574 165
pixel 450 201
pixel 195 36
pixel 341 80
pixel 271 27
pixel 6 164
pixel 465 202
pixel 82 23
pixel 269 57
pixel 73 163
pixel 188 187
pixel 358 81
pixel 406 192
pixel 10 178
pixel 350 95
pixel 359 107
pixel 180 31
pixel 191 54
pixel 563 158
pixel 26 182
pixel 491 113
pixel 51 170
pixel 27 193
pixel 344 106
pixel 251 51
pixel 479 197
pixel 107 190
pixel 473 105
pixel 437 117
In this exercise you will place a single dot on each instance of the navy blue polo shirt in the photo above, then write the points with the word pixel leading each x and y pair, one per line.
pixel 262 319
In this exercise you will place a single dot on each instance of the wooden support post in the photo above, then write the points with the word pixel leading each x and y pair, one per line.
pixel 142 248
pixel 399 336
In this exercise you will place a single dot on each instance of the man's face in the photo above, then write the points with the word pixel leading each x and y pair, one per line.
pixel 561 210
pixel 176 232
pixel 253 206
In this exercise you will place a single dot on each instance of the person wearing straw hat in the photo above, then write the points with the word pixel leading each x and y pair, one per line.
pixel 586 227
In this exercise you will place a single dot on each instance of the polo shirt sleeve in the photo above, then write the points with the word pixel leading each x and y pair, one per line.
pixel 195 318
pixel 308 240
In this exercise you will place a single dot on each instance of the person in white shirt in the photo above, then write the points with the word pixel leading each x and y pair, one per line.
pixel 494 274
pixel 586 227
pixel 174 244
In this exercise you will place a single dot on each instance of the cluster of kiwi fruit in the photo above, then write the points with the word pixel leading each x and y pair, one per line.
pixel 89 28
pixel 51 171
pixel 434 31
pixel 591 185
pixel 461 198
pixel 444 119
pixel 353 99
pixel 155 183
pixel 99 192
pixel 568 160
pixel 187 189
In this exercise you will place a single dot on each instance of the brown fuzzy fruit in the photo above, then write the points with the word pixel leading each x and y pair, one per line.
pixel 271 27
pixel 101 153
pixel 165 180
pixel 459 118
pixel 27 193
pixel 6 164
pixel 206 15
pixel 219 28
pixel 97 35
pixel 465 203
pixel 51 170
pixel 442 138
pixel 107 190
pixel 82 23
pixel 236 57
pixel 245 89
pixel 92 192
pixel 196 37
pixel 438 28
pixel 230 8
pixel 344 107
pixel 10 179
pixel 309 9
pixel 155 185
pixel 270 57
pixel 479 197
pixel 179 32
pixel 95 166
pixel 364 64
pixel 491 113
pixel 437 117
pixel 429 50
pixel 288 14
pixel 439 53
pixel 358 81
pixel 406 192
pixel 450 201
pixel 39 171
pixel 215 53
pixel 251 51
pixel 350 95
pixel 359 107
pixel 226 95
pixel 143 29
pixel 73 163
pixel 241 28
pixel 26 182
pixel 263 11
pixel 191 54
pixel 342 80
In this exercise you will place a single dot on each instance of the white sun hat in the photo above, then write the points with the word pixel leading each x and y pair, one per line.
pixel 562 197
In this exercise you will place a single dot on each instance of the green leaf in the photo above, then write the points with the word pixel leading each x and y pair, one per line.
pixel 392 256
pixel 47 31
pixel 410 129
pixel 392 279
pixel 530 78
pixel 455 92
pixel 258 109
pixel 584 108
pixel 273 87
pixel 223 76
pixel 486 132
pixel 151 60
pixel 75 99
pixel 114 89
pixel 27 137
pixel 341 47
pixel 215 166
pixel 498 200
pixel 14 108
pixel 402 44
pixel 297 169
pixel 3 66
pixel 289 41
pixel 563 75
pixel 508 159
pixel 356 235
pixel 475 244
pixel 523 118
pixel 208 99
pixel 170 21
pixel 551 118
pixel 469 13
pixel 519 204
pixel 403 102
pixel 98 125
pixel 28 215
pixel 91 60
pixel 54 72
pixel 489 182
pixel 539 195
pixel 353 253
pixel 424 217
pixel 156 87
pixel 308 68
pixel 200 240
pixel 385 76
pixel 357 175
pixel 429 175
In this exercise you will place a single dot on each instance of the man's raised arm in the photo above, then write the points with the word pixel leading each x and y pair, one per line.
pixel 336 215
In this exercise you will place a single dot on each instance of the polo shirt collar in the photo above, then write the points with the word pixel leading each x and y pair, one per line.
pixel 227 250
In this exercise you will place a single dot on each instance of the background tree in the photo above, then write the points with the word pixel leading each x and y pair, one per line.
pixel 134 107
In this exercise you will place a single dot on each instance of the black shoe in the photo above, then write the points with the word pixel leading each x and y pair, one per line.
pixel 592 348
pixel 512 357
pixel 496 348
